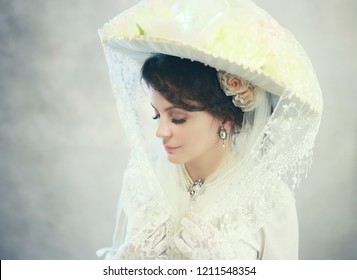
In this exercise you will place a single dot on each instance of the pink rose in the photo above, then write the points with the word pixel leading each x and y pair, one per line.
pixel 231 84
pixel 243 92
pixel 246 100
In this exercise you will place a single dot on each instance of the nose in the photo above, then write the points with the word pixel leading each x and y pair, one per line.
pixel 163 130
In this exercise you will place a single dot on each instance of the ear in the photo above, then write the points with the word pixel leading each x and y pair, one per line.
pixel 227 124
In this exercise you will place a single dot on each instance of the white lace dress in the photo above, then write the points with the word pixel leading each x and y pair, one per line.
pixel 225 234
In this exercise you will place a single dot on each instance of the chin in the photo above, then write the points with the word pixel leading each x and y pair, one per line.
pixel 174 159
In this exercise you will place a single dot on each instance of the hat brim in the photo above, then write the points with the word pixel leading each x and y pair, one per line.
pixel 140 48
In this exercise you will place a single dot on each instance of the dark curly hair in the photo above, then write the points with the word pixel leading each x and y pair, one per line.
pixel 191 86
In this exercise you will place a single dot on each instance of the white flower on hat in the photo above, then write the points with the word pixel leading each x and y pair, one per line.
pixel 244 94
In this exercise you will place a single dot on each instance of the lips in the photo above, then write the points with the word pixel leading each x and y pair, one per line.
pixel 170 148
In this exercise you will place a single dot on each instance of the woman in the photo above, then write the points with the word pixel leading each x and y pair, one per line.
pixel 238 108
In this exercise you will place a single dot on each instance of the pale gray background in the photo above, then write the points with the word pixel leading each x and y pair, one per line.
pixel 62 150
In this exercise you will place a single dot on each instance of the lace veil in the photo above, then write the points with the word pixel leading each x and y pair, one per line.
pixel 274 148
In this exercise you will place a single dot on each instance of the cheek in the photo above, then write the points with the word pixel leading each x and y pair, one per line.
pixel 200 136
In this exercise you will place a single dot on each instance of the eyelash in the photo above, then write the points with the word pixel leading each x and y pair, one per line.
pixel 174 121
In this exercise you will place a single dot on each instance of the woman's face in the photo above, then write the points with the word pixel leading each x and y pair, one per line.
pixel 186 136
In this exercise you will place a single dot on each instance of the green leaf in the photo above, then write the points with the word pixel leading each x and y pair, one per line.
pixel 141 30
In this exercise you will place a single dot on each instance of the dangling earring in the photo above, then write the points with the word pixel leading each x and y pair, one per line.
pixel 223 134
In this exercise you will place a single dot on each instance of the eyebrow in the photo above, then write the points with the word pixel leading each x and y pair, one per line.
pixel 168 108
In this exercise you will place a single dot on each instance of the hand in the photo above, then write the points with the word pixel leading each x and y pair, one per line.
pixel 201 240
pixel 150 243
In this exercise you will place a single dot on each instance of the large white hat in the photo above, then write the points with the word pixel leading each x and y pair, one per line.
pixel 232 35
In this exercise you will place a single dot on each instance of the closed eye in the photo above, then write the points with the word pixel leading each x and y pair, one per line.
pixel 179 121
